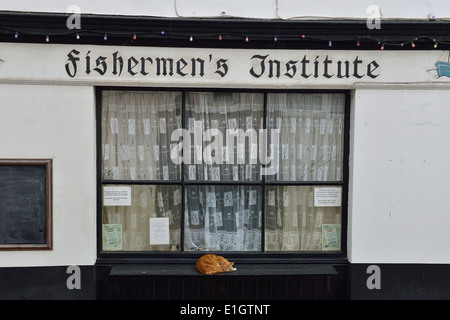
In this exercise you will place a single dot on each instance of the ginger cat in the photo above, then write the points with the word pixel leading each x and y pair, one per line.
pixel 212 264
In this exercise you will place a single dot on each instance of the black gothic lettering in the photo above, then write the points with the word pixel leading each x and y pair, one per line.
pixel 73 61
pixel 88 63
pixel 320 66
pixel 271 63
pixel 100 62
pixel 221 64
pixel 326 62
pixel 339 71
pixel 115 60
pixel 371 67
pixel 291 66
pixel 202 67
pixel 316 67
pixel 304 63
pixel 164 64
pixel 355 68
pixel 132 62
pixel 181 64
pixel 262 65
pixel 143 72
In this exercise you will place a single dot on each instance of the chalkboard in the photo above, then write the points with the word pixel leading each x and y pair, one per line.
pixel 25 204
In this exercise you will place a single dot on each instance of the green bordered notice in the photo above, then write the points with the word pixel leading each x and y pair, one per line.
pixel 331 237
pixel 112 237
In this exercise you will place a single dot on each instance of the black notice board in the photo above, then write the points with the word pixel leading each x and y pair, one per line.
pixel 25 204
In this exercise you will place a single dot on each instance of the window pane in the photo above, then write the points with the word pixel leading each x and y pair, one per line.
pixel 223 218
pixel 134 227
pixel 231 152
pixel 310 143
pixel 303 218
pixel 136 135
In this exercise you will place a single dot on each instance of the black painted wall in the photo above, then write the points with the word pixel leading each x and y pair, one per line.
pixel 45 283
pixel 397 282
pixel 402 282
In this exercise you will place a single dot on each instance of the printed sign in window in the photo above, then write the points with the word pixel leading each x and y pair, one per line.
pixel 117 196
pixel 327 196
pixel 159 231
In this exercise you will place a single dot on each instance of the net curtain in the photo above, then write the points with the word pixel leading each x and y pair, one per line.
pixel 136 145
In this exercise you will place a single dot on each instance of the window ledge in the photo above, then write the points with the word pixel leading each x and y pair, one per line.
pixel 242 270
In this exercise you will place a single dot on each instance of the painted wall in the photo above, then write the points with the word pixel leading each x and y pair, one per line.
pixel 265 9
pixel 399 171
pixel 57 122
pixel 400 180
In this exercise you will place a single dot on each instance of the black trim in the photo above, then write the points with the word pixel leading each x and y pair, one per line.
pixel 344 34
pixel 257 257
pixel 242 270
pixel 155 257
pixel 98 113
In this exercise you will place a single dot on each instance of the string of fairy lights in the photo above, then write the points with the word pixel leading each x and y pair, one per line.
pixel 431 41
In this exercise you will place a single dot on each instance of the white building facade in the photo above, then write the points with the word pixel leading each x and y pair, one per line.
pixel 385 67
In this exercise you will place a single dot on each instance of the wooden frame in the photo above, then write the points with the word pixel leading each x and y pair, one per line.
pixel 48 196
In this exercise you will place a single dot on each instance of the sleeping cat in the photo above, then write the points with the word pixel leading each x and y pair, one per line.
pixel 212 264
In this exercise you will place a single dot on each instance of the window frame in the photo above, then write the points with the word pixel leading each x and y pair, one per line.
pixel 261 256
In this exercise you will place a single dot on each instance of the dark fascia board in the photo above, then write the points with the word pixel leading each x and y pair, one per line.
pixel 177 32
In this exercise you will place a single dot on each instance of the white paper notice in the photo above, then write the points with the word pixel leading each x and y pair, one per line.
pixel 159 231
pixel 117 196
pixel 327 196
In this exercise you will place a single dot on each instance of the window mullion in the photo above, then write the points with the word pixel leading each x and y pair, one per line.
pixel 263 181
pixel 183 191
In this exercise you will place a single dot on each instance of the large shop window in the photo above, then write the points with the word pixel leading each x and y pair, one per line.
pixel 185 170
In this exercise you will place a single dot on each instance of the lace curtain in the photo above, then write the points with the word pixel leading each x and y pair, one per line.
pixel 224 218
pixel 136 133
pixel 226 112
pixel 311 149
pixel 311 135
pixel 292 222
pixel 136 145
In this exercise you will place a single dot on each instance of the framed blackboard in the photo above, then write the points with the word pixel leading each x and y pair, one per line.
pixel 25 204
